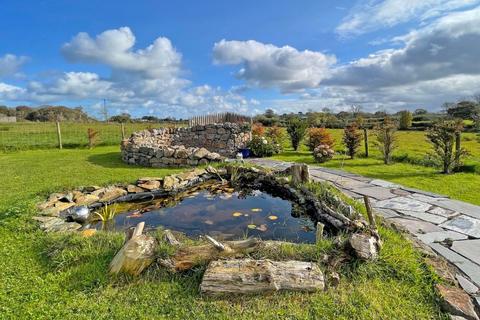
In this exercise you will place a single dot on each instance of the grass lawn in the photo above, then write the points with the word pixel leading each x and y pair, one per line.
pixel 47 276
pixel 412 148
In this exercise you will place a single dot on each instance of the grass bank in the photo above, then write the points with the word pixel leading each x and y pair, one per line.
pixel 51 276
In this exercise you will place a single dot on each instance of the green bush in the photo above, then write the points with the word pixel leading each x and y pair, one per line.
pixel 261 147
pixel 296 129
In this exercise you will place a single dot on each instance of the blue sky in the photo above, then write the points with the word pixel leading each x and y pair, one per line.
pixel 179 58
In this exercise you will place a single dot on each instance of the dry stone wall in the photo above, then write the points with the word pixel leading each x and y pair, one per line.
pixel 190 146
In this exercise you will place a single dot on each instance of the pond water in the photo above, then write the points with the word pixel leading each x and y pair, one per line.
pixel 223 215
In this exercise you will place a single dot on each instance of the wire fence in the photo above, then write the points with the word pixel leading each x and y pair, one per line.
pixel 38 135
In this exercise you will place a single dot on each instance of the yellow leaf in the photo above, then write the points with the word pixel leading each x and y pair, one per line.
pixel 237 214
pixel 272 217
pixel 256 210
pixel 251 226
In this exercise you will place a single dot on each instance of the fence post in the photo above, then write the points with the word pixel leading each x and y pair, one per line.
pixel 59 135
pixel 365 138
pixel 123 130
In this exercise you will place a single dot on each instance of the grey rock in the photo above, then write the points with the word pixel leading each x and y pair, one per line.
pixel 379 193
pixel 466 285
pixel 468 248
pixel 385 184
pixel 462 207
pixel 472 270
pixel 403 203
pixel 441 236
pixel 424 216
pixel 387 213
pixel 443 212
pixel 464 224
pixel 415 226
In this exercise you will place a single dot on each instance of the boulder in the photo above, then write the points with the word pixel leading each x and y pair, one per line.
pixel 111 193
pixel 200 153
pixel 150 185
pixel 456 302
pixel 203 161
pixel 86 199
pixel 55 224
pixel 170 183
pixel 213 156
pixel 134 189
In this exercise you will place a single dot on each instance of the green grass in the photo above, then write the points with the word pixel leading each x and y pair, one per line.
pixel 35 135
pixel 54 276
pixel 413 146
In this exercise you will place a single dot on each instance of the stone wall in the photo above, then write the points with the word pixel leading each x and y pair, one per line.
pixel 192 146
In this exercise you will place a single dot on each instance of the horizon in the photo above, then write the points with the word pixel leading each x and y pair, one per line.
pixel 188 58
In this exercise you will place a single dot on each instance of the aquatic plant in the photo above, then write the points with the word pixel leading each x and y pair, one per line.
pixel 107 213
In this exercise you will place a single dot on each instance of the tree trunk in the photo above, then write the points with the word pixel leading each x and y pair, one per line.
pixel 365 138
pixel 257 276
pixel 300 173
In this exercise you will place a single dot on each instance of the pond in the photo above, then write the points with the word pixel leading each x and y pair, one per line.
pixel 222 212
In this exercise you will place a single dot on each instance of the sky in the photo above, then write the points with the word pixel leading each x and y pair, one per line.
pixel 183 58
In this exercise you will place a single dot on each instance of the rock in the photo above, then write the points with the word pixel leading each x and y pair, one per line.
pixel 333 279
pixel 200 153
pixel 112 193
pixel 137 254
pixel 150 185
pixel 456 302
pixel 466 284
pixel 57 208
pixel 86 199
pixel 188 175
pixel 170 183
pixel 365 246
pixel 134 189
pixel 181 153
pixel 54 224
pixel 203 161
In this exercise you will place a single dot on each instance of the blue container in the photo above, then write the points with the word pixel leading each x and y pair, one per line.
pixel 245 153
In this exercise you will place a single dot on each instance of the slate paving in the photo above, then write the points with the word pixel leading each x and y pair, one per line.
pixel 450 227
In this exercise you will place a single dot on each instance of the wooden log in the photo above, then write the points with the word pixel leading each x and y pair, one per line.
pixel 190 256
pixel 319 232
pixel 300 173
pixel 135 255
pixel 370 214
pixel 244 276
pixel 170 238
pixel 59 135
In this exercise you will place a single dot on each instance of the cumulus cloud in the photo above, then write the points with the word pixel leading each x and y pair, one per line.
pixel 267 66
pixel 10 64
pixel 448 46
pixel 371 15
pixel 115 49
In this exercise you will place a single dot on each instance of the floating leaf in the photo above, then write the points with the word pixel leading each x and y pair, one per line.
pixel 134 214
pixel 256 210
pixel 237 214
pixel 209 222
pixel 272 217
pixel 262 227
pixel 251 226
pixel 246 214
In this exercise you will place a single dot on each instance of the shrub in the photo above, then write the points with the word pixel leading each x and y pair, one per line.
pixel 261 147
pixel 406 118
pixel 258 129
pixel 442 136
pixel 296 129
pixel 386 138
pixel 323 153
pixel 352 138
pixel 276 135
pixel 318 136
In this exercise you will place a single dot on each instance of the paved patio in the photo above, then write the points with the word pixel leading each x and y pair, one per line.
pixel 430 217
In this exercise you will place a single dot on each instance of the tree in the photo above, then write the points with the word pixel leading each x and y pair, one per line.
pixel 318 136
pixel 121 118
pixel 296 129
pixel 444 136
pixel 420 111
pixel 405 119
pixel 464 110
pixel 352 139
pixel 386 138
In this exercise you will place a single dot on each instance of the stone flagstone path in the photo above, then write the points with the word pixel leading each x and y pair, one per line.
pixel 450 227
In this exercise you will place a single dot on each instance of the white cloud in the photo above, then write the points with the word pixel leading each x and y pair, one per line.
pixel 267 66
pixel 115 49
pixel 10 64
pixel 371 15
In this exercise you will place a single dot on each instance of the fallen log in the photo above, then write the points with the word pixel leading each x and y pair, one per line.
pixel 190 256
pixel 246 276
pixel 136 254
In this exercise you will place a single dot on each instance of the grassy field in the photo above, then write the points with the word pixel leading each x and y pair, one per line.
pixel 412 149
pixel 34 135
pixel 47 276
